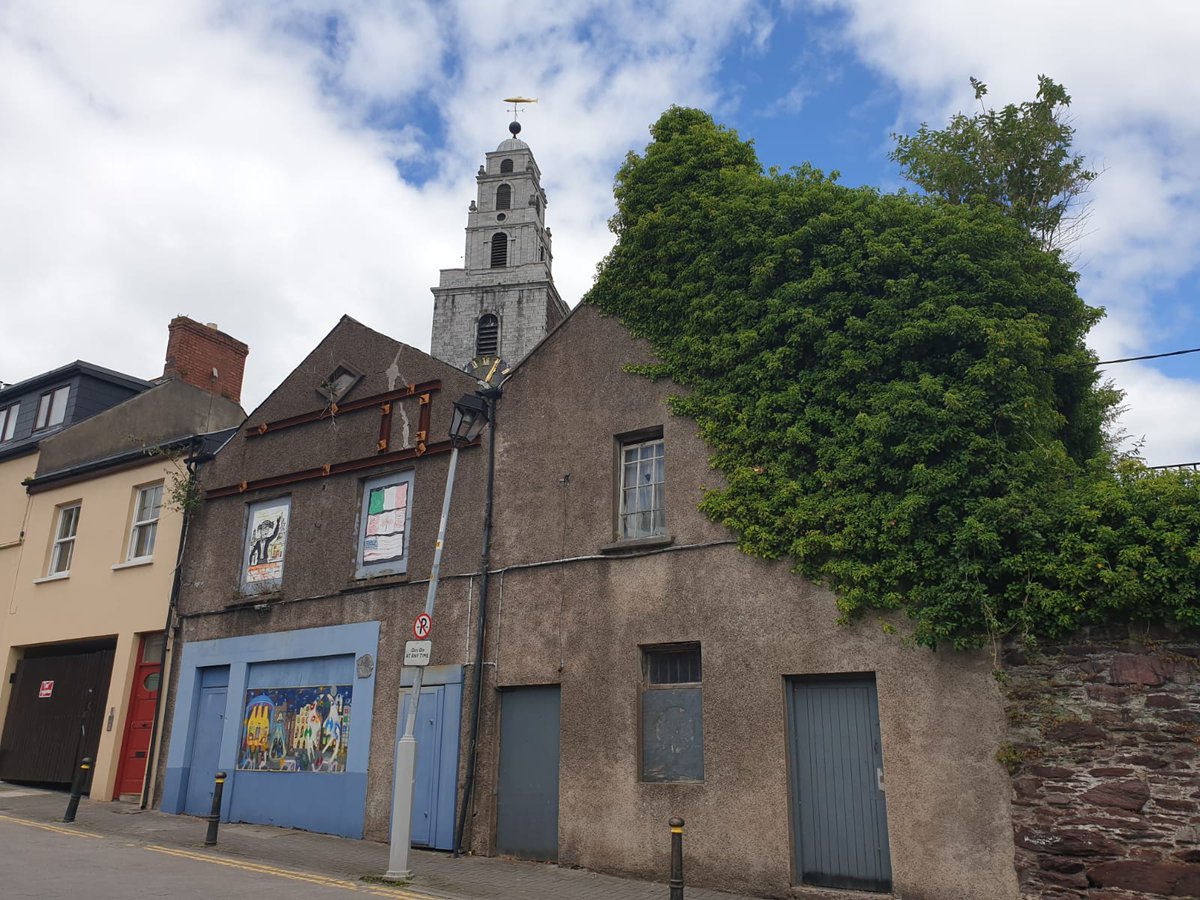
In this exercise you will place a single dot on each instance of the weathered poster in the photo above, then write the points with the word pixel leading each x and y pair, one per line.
pixel 266 543
pixel 387 512
pixel 296 729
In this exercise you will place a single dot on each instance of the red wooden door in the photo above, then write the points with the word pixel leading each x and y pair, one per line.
pixel 142 700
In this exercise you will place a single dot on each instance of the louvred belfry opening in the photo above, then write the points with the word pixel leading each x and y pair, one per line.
pixel 504 197
pixel 499 250
pixel 487 336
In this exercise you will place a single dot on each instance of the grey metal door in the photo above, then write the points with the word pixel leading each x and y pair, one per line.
pixel 839 818
pixel 527 800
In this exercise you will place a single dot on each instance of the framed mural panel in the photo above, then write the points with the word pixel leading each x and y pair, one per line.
pixel 296 729
pixel 385 521
pixel 267 525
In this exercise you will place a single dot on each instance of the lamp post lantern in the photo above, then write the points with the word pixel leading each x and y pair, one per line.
pixel 470 418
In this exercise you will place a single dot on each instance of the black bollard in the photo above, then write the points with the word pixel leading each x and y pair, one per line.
pixel 676 881
pixel 214 818
pixel 77 788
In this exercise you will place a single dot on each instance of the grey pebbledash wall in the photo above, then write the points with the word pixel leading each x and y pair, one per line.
pixel 1105 751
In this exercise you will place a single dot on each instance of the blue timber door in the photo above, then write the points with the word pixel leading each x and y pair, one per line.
pixel 436 779
pixel 207 730
pixel 527 800
pixel 839 818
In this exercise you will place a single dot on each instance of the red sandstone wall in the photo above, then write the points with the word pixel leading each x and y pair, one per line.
pixel 1105 750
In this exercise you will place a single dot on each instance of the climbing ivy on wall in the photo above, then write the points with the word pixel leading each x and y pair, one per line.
pixel 898 392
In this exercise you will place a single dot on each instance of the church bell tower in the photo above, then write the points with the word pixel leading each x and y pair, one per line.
pixel 503 300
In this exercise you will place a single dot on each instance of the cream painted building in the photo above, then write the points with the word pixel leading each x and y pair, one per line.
pixel 87 561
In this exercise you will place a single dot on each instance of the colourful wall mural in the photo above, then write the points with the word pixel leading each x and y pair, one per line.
pixel 296 729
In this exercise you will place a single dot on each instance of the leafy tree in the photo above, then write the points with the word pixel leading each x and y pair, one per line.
pixel 897 390
pixel 1018 157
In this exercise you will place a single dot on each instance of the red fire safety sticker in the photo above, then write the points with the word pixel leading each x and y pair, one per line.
pixel 45 690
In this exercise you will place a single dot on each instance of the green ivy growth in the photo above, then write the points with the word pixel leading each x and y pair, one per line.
pixel 898 392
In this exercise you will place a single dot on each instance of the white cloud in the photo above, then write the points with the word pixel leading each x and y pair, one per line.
pixel 262 166
pixel 1136 108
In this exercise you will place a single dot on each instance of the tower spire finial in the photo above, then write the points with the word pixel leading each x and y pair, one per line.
pixel 514 127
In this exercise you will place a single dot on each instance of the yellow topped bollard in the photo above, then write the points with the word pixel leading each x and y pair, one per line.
pixel 676 882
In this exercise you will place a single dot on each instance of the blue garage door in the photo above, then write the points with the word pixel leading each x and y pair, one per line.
pixel 435 781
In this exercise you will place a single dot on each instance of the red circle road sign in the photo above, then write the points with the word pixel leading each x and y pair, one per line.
pixel 422 625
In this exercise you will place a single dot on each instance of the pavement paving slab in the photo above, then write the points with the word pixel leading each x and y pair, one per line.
pixel 323 862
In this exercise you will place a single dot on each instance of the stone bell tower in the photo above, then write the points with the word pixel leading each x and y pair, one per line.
pixel 503 301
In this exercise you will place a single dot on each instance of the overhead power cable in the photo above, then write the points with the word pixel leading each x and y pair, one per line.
pixel 1109 362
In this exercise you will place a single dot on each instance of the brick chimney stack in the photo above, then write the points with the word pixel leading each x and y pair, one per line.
pixel 206 358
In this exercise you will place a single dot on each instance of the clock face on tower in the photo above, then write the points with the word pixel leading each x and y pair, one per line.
pixel 488 370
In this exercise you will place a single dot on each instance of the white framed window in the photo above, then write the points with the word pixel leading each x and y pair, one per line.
pixel 643 511
pixel 8 421
pixel 64 539
pixel 385 523
pixel 267 525
pixel 52 408
pixel 147 506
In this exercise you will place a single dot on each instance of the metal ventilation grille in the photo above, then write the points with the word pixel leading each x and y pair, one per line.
pixel 487 336
pixel 499 250
pixel 504 197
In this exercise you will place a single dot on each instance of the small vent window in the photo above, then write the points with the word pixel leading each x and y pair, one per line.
pixel 499 250
pixel 506 165
pixel 504 197
pixel 487 336
pixel 338 383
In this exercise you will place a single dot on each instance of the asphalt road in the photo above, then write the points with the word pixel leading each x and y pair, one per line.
pixel 50 863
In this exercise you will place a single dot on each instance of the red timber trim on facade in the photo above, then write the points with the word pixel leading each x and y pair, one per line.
pixel 329 469
pixel 383 401
pixel 424 392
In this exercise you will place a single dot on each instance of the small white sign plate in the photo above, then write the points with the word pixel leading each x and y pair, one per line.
pixel 417 653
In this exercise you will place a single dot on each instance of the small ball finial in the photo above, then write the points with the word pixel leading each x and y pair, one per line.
pixel 514 127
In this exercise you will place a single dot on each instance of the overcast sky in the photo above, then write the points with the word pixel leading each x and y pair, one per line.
pixel 271 166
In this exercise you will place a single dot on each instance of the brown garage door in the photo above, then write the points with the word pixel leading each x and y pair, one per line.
pixel 55 713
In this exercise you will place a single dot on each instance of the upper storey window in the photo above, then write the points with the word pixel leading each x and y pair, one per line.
pixel 643 507
pixel 52 408
pixel 504 197
pixel 8 421
pixel 487 335
pixel 499 250
pixel 506 165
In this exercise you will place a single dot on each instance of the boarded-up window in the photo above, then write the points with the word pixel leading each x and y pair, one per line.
pixel 506 165
pixel 267 526
pixel 386 519
pixel 487 336
pixel 499 250
pixel 672 714
pixel 504 197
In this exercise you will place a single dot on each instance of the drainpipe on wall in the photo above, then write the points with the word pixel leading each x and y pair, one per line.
pixel 490 394
pixel 163 677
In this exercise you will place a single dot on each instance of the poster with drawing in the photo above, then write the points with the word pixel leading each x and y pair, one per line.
pixel 296 729
pixel 266 543
pixel 387 513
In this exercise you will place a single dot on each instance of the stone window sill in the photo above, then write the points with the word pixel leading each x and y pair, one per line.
pixel 635 544
pixel 59 577
pixel 133 563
